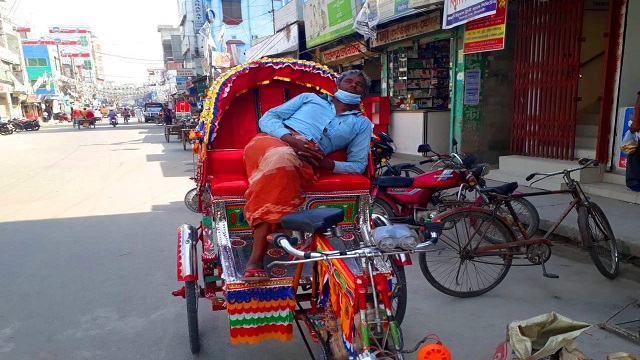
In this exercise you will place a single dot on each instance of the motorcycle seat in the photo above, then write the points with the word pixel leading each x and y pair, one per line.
pixel 393 181
pixel 504 190
pixel 314 220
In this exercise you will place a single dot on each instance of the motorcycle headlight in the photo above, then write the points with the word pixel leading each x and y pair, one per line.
pixel 408 242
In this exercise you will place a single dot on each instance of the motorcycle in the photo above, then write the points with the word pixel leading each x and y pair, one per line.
pixel 381 153
pixel 6 129
pixel 452 182
pixel 113 121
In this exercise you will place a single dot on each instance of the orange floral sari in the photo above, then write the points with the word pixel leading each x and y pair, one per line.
pixel 277 178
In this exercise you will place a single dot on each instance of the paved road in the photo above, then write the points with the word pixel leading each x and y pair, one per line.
pixel 87 256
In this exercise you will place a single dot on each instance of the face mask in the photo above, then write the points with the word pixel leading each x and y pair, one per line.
pixel 347 97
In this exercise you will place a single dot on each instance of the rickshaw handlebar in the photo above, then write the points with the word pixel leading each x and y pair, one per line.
pixel 286 243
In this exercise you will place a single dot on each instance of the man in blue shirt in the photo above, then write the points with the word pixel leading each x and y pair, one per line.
pixel 287 157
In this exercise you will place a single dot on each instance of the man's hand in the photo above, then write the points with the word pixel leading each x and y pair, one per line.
pixel 305 152
pixel 635 127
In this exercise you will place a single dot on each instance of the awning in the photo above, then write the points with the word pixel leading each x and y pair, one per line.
pixel 285 40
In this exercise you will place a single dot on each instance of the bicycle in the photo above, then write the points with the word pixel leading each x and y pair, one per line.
pixel 492 244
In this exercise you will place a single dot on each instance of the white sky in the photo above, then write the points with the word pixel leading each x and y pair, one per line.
pixel 123 27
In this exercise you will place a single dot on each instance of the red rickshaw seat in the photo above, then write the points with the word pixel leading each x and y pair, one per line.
pixel 228 176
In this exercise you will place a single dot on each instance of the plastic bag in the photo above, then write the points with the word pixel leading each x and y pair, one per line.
pixel 367 19
pixel 629 143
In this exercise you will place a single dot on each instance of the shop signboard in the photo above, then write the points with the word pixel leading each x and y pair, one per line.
pixel 198 14
pixel 185 72
pixel 68 30
pixel 23 29
pixel 488 33
pixel 404 30
pixel 388 9
pixel 173 65
pixel 420 4
pixel 626 115
pixel 472 87
pixel 458 12
pixel 343 52
pixel 325 20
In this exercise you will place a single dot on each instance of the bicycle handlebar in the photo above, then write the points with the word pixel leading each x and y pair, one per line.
pixel 584 162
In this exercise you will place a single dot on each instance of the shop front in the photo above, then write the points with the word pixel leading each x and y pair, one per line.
pixel 416 76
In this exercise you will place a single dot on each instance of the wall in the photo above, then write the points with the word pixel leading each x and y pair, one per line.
pixel 485 129
pixel 630 76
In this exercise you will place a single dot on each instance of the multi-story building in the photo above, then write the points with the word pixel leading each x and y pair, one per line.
pixel 12 77
pixel 76 49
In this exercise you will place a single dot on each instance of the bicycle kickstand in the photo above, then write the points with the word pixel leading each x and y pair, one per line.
pixel 548 275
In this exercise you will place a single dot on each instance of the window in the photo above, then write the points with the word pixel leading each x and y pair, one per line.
pixel 231 12
pixel 36 62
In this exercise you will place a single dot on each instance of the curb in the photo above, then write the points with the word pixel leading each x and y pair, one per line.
pixel 626 247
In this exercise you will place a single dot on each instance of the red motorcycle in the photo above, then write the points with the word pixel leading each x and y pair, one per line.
pixel 452 182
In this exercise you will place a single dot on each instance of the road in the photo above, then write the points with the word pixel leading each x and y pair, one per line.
pixel 88 250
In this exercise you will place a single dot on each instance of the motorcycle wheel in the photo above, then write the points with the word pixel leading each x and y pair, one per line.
pixel 380 207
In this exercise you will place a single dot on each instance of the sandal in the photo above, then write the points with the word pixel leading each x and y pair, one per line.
pixel 255 275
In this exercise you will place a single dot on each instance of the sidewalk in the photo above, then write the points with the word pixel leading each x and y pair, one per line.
pixel 624 218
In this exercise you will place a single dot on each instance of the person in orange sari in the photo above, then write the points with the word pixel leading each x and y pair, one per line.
pixel 287 156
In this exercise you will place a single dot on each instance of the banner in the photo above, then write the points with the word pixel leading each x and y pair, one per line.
pixel 367 19
pixel 407 29
pixel 325 20
pixel 458 12
pixel 220 59
pixel 488 33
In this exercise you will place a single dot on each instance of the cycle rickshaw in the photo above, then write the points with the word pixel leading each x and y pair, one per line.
pixel 347 288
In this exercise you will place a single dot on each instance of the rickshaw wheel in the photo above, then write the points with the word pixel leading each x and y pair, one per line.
pixel 192 316
pixel 399 296
pixel 184 143
pixel 322 353
pixel 167 133
pixel 191 200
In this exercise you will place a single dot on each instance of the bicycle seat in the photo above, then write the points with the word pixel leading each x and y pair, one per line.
pixel 393 181
pixel 505 190
pixel 314 220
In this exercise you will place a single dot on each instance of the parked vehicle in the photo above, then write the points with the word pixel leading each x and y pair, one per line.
pixel 453 182
pixel 152 112
pixel 382 151
pixel 478 246
pixel 344 285
pixel 6 129
pixel 25 125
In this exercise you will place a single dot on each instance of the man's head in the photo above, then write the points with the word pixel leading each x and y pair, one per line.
pixel 353 81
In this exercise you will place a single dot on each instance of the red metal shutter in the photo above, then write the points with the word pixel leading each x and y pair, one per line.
pixel 547 62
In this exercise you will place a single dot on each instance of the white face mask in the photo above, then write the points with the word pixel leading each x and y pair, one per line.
pixel 347 97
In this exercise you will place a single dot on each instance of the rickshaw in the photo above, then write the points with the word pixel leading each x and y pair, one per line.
pixel 88 123
pixel 340 275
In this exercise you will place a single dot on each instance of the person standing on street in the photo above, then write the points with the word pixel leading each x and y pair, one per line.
pixel 633 159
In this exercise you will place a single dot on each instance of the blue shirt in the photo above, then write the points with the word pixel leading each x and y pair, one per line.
pixel 314 117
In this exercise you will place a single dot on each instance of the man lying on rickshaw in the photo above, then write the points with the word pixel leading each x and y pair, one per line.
pixel 287 156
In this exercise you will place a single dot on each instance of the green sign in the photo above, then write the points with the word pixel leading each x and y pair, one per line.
pixel 339 10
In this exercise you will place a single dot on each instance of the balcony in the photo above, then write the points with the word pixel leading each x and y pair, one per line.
pixel 288 14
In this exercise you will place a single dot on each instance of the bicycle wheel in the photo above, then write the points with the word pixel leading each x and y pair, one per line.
pixel 167 133
pixel 598 237
pixel 452 266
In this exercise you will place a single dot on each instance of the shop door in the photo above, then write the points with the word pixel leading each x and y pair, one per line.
pixel 547 62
